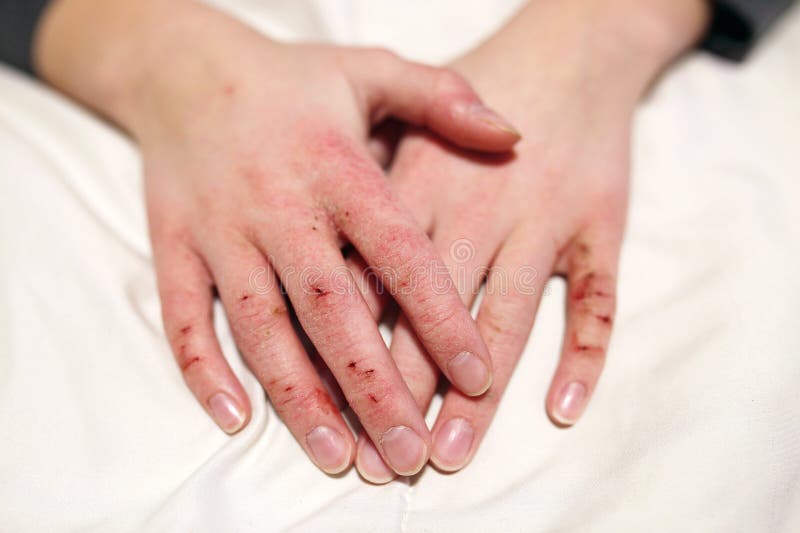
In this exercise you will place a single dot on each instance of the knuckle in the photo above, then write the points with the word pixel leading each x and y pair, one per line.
pixel 497 319
pixel 380 54
pixel 287 397
pixel 329 296
pixel 447 82
pixel 254 325
pixel 595 294
pixel 405 253
pixel 179 310
pixel 433 320
pixel 499 327
pixel 183 346
pixel 587 347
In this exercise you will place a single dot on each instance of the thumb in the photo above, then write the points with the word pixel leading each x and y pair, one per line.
pixel 436 98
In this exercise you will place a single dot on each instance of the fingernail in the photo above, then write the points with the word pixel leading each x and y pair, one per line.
pixel 469 374
pixel 404 449
pixel 571 403
pixel 329 449
pixel 371 466
pixel 487 116
pixel 452 443
pixel 226 413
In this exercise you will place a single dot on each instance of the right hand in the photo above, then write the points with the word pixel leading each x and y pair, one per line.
pixel 257 168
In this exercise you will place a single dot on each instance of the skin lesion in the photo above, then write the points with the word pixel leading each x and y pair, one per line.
pixel 314 399
pixel 366 375
pixel 605 319
pixel 189 363
pixel 592 286
pixel 353 367
pixel 586 347
pixel 320 292
pixel 185 360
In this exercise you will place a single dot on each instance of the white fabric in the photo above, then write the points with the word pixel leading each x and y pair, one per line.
pixel 694 427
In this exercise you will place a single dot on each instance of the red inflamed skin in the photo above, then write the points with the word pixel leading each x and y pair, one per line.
pixel 258 170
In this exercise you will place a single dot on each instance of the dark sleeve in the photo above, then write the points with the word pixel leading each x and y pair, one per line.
pixel 17 21
pixel 737 25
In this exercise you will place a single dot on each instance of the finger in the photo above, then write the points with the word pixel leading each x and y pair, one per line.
pixel 464 260
pixel 436 98
pixel 389 240
pixel 513 291
pixel 368 278
pixel 338 322
pixel 185 289
pixel 592 260
pixel 368 460
pixel 266 338
pixel 369 285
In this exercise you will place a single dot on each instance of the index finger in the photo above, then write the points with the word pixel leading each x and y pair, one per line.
pixel 402 256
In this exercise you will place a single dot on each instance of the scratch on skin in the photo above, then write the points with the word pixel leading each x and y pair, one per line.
pixel 187 364
pixel 320 292
pixel 605 319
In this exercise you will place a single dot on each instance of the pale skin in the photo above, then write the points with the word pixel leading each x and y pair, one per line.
pixel 257 160
pixel 579 68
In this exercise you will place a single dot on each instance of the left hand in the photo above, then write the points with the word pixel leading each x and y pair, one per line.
pixel 557 207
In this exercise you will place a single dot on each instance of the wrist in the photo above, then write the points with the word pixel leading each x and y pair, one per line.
pixel 613 48
pixel 111 56
pixel 651 34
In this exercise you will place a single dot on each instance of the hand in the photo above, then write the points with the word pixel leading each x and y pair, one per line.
pixel 257 170
pixel 571 74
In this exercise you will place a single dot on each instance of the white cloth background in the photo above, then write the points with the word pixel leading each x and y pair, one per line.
pixel 694 427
